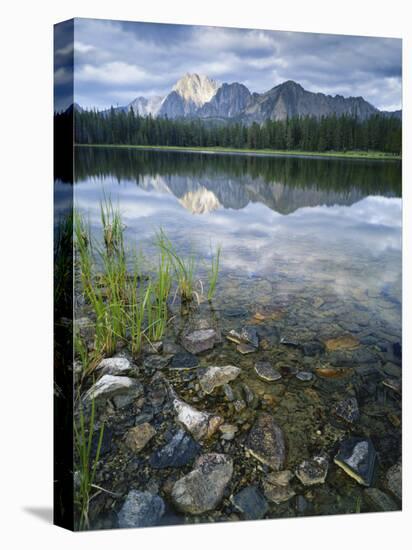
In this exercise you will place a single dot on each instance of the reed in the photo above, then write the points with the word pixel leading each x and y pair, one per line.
pixel 184 268
pixel 214 273
pixel 86 465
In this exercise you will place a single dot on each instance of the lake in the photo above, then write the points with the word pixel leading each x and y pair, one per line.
pixel 310 259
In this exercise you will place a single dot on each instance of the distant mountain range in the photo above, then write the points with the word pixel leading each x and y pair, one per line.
pixel 198 96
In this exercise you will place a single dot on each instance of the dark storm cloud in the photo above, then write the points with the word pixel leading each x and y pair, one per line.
pixel 117 61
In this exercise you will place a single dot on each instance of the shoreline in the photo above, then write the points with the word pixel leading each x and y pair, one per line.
pixel 351 155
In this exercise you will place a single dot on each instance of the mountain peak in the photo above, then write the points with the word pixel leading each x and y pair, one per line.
pixel 199 89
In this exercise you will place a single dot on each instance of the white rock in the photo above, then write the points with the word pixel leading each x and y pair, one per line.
pixel 108 386
pixel 199 423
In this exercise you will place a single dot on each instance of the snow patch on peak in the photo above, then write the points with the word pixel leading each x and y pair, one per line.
pixel 195 88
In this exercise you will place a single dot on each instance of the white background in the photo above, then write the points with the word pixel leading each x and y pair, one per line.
pixel 26 192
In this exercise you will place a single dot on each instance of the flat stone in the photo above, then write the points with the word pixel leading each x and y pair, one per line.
pixel 394 480
pixel 179 451
pixel 184 361
pixel 312 348
pixel 199 423
pixel 345 342
pixel 234 336
pixel 313 471
pixel 139 436
pixel 199 340
pixel 277 487
pixel 228 431
pixel 245 349
pixel 214 377
pixel 249 335
pixel 357 457
pixel 347 410
pixel 122 389
pixel 266 372
pixel 266 442
pixel 304 376
pixel 202 489
pixel 141 509
pixel 380 501
pixel 116 366
pixel 250 502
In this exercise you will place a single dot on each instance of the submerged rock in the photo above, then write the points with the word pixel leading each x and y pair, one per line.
pixel 116 366
pixel 217 376
pixel 180 450
pixel 345 342
pixel 304 376
pixel 138 437
pixel 199 340
pixel 250 502
pixel 277 487
pixel 266 372
pixel 266 442
pixel 184 361
pixel 250 336
pixel 312 348
pixel 202 489
pixel 244 349
pixel 313 471
pixel 122 389
pixel 380 501
pixel 357 457
pixel 347 410
pixel 200 424
pixel 394 480
pixel 141 509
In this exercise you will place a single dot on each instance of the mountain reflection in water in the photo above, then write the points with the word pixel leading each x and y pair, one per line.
pixel 326 223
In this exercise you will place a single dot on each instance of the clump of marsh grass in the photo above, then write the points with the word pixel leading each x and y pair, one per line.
pixel 135 312
pixel 184 268
pixel 86 464
pixel 112 227
pixel 214 273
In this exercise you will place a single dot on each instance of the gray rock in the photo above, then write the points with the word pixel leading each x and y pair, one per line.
pixel 156 362
pixel 202 489
pixel 248 393
pixel 347 410
pixel 380 501
pixel 199 423
pixel 394 480
pixel 199 340
pixel 184 361
pixel 266 372
pixel 122 389
pixel 115 366
pixel 250 502
pixel 304 376
pixel 180 450
pixel 277 487
pixel 313 471
pixel 214 377
pixel 312 348
pixel 230 396
pixel 357 457
pixel 141 509
pixel 266 442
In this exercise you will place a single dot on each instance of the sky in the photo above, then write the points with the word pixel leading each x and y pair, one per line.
pixel 115 62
